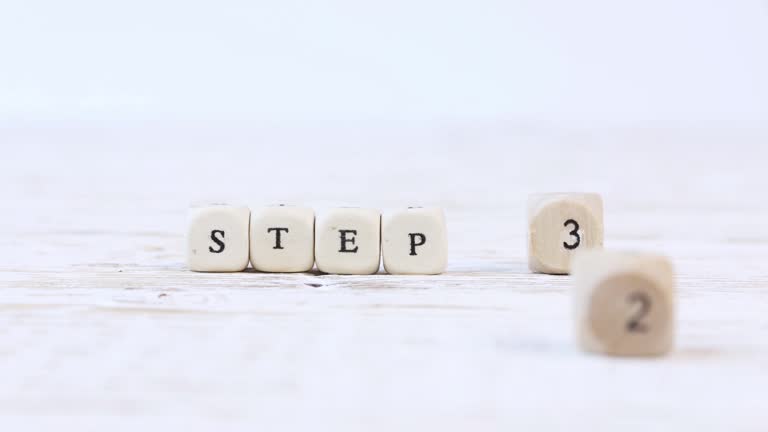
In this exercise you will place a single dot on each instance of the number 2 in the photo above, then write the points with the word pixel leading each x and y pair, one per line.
pixel 634 324
pixel 574 233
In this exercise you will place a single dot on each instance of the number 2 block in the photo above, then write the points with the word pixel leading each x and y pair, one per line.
pixel 624 303
pixel 217 239
pixel 559 225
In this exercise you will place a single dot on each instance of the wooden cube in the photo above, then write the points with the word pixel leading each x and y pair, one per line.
pixel 559 225
pixel 414 241
pixel 348 241
pixel 624 303
pixel 283 239
pixel 217 238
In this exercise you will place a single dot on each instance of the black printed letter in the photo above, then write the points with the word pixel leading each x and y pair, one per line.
pixel 218 241
pixel 345 240
pixel 422 239
pixel 277 231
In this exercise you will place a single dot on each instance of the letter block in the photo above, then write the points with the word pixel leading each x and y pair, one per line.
pixel 348 241
pixel 559 224
pixel 283 239
pixel 217 238
pixel 624 303
pixel 414 241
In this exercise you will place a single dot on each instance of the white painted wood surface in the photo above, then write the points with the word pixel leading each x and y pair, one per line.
pixel 102 328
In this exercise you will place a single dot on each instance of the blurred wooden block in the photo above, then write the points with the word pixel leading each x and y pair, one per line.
pixel 624 303
pixel 559 225
pixel 283 239
pixel 217 238
pixel 348 241
pixel 414 241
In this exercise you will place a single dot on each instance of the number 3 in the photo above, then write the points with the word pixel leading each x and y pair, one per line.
pixel 574 233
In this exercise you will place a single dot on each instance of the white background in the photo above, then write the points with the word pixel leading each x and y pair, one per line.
pixel 586 62
pixel 114 116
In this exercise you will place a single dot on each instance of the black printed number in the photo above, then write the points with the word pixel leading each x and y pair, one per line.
pixel 574 233
pixel 635 323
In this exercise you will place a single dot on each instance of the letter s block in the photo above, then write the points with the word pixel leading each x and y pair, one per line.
pixel 414 241
pixel 624 303
pixel 217 238
pixel 283 239
pixel 348 241
pixel 559 225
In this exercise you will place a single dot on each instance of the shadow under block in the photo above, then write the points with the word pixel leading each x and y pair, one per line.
pixel 282 239
pixel 414 241
pixel 348 241
pixel 217 238
pixel 559 225
pixel 624 303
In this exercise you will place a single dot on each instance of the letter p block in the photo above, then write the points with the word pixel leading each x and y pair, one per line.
pixel 414 241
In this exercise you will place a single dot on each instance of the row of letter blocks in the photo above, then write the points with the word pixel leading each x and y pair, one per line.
pixel 623 302
pixel 286 239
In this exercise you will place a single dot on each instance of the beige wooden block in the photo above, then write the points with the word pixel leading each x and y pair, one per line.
pixel 283 239
pixel 624 303
pixel 348 241
pixel 217 238
pixel 414 241
pixel 559 225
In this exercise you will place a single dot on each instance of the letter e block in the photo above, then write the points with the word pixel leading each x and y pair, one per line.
pixel 414 241
pixel 217 238
pixel 559 225
pixel 283 239
pixel 348 241
pixel 624 303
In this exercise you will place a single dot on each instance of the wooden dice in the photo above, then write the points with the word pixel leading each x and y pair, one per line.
pixel 414 241
pixel 283 239
pixel 559 225
pixel 217 238
pixel 348 241
pixel 624 303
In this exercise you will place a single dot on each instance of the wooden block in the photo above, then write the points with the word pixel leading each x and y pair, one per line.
pixel 559 224
pixel 217 238
pixel 414 241
pixel 624 303
pixel 348 241
pixel 283 239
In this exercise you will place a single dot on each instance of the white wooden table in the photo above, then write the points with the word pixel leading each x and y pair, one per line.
pixel 102 328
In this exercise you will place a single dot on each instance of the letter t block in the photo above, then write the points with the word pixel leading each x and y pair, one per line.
pixel 283 239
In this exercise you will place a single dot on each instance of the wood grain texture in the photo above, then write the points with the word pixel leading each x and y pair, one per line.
pixel 102 327
pixel 559 226
pixel 624 303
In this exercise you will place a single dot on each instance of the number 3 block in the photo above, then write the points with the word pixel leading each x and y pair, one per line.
pixel 559 224
pixel 624 303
